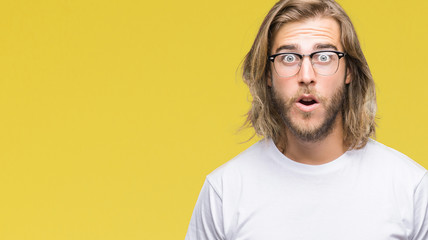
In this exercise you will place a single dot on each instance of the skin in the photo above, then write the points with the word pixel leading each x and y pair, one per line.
pixel 305 37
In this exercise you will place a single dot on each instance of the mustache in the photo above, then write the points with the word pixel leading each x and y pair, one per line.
pixel 305 90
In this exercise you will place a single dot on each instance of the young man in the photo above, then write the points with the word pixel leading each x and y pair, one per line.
pixel 316 174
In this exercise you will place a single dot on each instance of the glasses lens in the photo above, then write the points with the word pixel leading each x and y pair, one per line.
pixel 325 63
pixel 287 65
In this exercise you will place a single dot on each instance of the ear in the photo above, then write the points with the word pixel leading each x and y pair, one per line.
pixel 348 76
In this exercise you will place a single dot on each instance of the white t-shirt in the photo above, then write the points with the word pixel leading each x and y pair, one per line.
pixel 374 193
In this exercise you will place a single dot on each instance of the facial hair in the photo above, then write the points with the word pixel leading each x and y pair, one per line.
pixel 308 133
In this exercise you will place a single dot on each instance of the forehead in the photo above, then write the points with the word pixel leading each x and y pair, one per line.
pixel 308 35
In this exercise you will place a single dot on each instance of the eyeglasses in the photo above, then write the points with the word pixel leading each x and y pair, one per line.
pixel 323 62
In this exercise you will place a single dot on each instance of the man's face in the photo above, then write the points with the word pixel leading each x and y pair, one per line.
pixel 309 102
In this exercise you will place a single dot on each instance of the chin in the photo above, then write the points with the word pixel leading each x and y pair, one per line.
pixel 312 129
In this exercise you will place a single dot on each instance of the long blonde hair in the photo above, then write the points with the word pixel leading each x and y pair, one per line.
pixel 359 108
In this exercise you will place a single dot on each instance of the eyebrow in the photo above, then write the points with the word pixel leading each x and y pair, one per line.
pixel 325 46
pixel 295 47
pixel 286 47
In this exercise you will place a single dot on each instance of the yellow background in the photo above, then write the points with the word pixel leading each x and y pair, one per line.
pixel 113 112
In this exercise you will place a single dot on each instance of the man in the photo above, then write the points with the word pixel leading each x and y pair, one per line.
pixel 316 174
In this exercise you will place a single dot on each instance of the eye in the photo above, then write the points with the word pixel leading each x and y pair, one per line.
pixel 323 57
pixel 288 58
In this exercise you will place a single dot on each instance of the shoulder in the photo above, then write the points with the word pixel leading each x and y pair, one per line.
pixel 387 160
pixel 247 164
pixel 387 155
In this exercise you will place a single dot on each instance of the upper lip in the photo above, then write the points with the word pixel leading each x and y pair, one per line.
pixel 307 98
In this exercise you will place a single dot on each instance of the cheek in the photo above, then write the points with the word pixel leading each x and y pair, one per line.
pixel 330 90
pixel 284 88
pixel 329 86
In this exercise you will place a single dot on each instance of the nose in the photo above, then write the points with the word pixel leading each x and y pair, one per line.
pixel 306 73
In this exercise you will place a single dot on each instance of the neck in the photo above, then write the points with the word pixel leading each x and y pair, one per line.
pixel 315 153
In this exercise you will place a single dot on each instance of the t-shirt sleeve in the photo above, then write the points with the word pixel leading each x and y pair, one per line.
pixel 207 218
pixel 421 210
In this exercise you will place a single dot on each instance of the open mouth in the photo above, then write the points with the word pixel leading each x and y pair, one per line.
pixel 308 100
pixel 307 103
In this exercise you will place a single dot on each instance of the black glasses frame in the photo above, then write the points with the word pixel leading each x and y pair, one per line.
pixel 339 54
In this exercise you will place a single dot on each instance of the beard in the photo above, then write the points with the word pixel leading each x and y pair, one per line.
pixel 305 132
